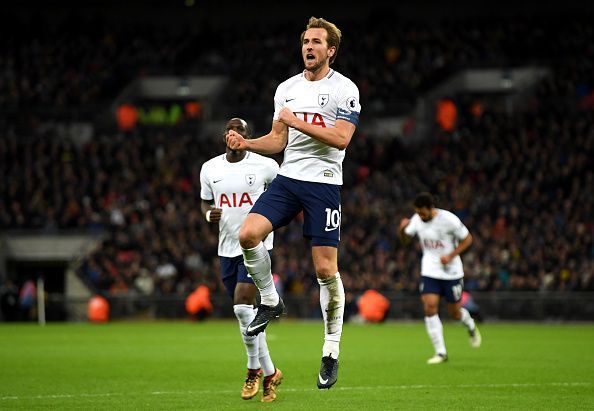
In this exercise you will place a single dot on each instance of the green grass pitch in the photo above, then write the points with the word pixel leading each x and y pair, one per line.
pixel 201 366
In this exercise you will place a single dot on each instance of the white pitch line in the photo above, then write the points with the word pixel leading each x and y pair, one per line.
pixel 361 388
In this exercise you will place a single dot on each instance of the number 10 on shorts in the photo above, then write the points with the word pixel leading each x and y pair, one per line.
pixel 332 219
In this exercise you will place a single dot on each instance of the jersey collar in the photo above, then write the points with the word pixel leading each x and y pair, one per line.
pixel 247 155
pixel 330 74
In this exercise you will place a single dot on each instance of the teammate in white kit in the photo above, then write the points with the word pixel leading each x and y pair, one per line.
pixel 443 238
pixel 316 113
pixel 230 185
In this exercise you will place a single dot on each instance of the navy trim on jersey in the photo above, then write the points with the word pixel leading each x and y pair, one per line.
pixel 350 116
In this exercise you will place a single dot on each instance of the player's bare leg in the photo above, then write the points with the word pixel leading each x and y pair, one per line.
pixel 457 312
pixel 434 328
pixel 257 262
pixel 332 301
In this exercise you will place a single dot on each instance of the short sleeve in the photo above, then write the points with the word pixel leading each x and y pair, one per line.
pixel 279 101
pixel 460 231
pixel 205 188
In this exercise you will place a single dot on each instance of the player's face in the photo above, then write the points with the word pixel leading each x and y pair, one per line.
pixel 425 213
pixel 236 126
pixel 314 49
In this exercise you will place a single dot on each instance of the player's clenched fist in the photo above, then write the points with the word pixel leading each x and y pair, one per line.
pixel 235 141
pixel 287 117
pixel 214 215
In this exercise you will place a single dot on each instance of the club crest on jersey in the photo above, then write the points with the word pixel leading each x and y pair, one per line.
pixel 323 99
pixel 250 179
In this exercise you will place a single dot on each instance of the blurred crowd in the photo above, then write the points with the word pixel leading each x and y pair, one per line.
pixel 521 182
pixel 81 61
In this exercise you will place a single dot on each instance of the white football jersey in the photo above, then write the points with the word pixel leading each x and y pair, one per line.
pixel 438 237
pixel 235 187
pixel 319 103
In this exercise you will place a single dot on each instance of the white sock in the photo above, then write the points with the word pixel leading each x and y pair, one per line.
pixel 264 355
pixel 245 314
pixel 258 265
pixel 332 303
pixel 435 331
pixel 466 319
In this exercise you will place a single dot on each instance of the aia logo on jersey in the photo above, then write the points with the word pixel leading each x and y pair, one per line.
pixel 250 179
pixel 235 200
pixel 432 244
pixel 314 119
pixel 323 99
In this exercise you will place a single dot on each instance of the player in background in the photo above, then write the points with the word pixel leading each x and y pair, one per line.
pixel 230 185
pixel 316 113
pixel 443 238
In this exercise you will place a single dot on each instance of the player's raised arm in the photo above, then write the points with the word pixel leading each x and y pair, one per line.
pixel 271 143
pixel 338 136
pixel 404 238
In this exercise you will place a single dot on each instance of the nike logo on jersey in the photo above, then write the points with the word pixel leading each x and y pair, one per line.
pixel 256 328
pixel 332 309
pixel 289 99
pixel 330 229
pixel 216 181
pixel 323 381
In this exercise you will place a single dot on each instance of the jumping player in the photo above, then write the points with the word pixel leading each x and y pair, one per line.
pixel 316 113
pixel 230 185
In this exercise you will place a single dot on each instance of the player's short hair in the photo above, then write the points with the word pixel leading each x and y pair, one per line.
pixel 424 199
pixel 238 124
pixel 333 33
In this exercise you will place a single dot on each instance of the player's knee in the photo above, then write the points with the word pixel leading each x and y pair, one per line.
pixel 248 237
pixel 326 269
pixel 243 299
pixel 430 309
pixel 245 293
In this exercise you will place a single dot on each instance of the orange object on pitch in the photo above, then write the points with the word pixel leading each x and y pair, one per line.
pixel 373 306
pixel 199 300
pixel 98 309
